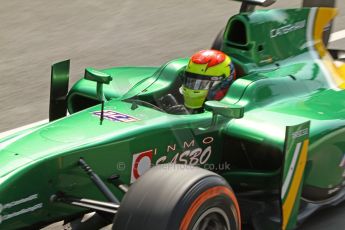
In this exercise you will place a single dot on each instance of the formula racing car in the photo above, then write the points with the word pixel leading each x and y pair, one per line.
pixel 266 156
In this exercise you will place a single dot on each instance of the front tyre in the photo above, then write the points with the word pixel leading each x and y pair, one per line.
pixel 179 197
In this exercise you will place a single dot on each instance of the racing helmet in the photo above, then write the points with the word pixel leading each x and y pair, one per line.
pixel 208 75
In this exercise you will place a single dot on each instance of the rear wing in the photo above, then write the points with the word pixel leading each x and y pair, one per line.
pixel 249 5
pixel 294 162
pixel 264 3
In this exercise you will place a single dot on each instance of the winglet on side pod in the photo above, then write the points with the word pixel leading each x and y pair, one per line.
pixel 59 90
pixel 294 162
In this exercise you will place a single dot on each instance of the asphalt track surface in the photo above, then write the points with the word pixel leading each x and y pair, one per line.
pixel 34 34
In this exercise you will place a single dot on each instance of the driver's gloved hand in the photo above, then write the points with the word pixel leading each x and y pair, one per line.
pixel 168 101
pixel 178 110
pixel 169 104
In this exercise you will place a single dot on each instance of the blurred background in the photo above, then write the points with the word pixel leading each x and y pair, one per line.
pixel 37 33
pixel 99 34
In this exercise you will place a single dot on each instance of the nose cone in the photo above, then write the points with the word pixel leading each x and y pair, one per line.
pixel 10 161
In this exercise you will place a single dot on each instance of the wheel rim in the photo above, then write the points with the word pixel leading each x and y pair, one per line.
pixel 212 219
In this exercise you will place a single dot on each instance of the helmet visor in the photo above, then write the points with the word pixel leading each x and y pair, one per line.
pixel 200 82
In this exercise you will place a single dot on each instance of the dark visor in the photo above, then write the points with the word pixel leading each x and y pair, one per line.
pixel 200 82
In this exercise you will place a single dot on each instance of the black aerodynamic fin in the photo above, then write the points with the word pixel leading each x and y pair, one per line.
pixel 59 90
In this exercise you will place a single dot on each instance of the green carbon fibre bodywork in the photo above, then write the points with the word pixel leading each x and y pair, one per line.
pixel 279 86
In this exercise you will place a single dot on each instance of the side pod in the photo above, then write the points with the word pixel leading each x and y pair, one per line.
pixel 294 162
pixel 59 90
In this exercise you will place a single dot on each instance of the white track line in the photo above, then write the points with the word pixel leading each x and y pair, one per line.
pixel 334 37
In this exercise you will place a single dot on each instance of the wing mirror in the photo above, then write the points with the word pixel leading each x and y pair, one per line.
pixel 101 78
pixel 227 110
pixel 97 76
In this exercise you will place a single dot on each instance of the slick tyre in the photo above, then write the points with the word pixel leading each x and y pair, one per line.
pixel 179 197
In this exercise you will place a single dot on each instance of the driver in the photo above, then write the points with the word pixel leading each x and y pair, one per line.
pixel 207 76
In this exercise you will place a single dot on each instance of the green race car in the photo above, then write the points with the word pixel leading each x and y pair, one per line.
pixel 266 156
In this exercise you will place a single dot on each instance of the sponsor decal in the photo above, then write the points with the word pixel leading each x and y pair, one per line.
pixel 115 116
pixel 17 202
pixel 196 156
pixel 300 133
pixel 140 164
pixel 287 29
pixel 20 212
pixel 190 155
